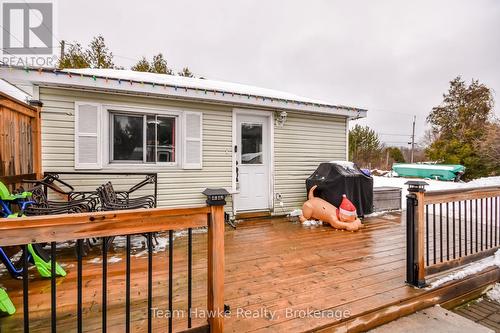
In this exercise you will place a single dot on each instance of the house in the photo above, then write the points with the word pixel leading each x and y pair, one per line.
pixel 194 133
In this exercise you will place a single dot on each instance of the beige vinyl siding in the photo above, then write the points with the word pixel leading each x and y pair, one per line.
pixel 176 187
pixel 300 145
pixel 305 141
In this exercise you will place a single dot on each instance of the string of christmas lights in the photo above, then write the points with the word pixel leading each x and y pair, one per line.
pixel 57 72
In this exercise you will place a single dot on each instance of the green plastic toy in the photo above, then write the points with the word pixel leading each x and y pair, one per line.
pixel 5 303
pixel 43 263
pixel 39 257
pixel 7 196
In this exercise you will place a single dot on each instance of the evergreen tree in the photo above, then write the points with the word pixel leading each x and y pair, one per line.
pixel 461 120
pixel 98 53
pixel 75 57
pixel 489 148
pixel 142 66
pixel 159 65
pixel 364 146
pixel 185 72
pixel 396 154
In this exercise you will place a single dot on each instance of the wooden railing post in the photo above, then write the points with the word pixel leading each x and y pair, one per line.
pixel 415 221
pixel 215 288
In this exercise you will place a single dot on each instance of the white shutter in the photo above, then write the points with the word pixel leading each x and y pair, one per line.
pixel 193 142
pixel 88 136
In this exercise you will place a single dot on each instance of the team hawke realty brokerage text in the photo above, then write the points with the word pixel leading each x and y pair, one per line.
pixel 268 314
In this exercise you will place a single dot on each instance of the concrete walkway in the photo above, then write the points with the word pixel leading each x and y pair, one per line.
pixel 435 319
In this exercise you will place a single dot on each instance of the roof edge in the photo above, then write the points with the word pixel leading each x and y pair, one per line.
pixel 61 78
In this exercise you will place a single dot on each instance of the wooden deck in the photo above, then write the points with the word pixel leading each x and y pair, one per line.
pixel 277 273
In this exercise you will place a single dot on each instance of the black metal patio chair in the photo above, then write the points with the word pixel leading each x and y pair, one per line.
pixel 112 200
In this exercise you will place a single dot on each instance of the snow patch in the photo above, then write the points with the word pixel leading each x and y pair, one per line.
pixel 494 294
pixel 96 260
pixel 312 223
pixel 485 181
pixel 345 164
pixel 114 259
pixel 383 212
pixel 295 213
pixel 470 269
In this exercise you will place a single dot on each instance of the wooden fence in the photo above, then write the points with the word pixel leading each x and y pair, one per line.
pixel 59 228
pixel 449 228
pixel 20 140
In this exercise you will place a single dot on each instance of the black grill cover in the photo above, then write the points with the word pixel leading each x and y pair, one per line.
pixel 333 180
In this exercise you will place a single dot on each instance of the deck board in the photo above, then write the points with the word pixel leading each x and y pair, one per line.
pixel 271 264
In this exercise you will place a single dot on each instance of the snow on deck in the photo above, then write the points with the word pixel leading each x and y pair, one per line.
pixel 468 270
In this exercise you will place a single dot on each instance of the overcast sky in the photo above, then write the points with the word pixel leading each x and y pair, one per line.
pixel 394 58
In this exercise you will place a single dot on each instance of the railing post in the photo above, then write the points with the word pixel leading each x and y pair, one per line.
pixel 215 290
pixel 415 206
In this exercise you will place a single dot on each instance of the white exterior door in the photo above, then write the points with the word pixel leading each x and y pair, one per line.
pixel 252 162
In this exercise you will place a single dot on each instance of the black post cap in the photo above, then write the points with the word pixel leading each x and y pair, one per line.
pixel 416 185
pixel 216 196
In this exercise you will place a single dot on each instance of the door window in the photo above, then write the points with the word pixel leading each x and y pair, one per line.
pixel 251 143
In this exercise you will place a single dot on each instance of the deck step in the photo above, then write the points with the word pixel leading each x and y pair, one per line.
pixel 253 215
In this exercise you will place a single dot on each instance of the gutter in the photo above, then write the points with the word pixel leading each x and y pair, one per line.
pixel 45 77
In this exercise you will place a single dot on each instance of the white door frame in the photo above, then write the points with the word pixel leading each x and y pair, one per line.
pixel 270 119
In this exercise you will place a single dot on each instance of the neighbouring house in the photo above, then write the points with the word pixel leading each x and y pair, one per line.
pixel 194 133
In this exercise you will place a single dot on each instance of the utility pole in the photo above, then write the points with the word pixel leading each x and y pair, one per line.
pixel 63 43
pixel 413 139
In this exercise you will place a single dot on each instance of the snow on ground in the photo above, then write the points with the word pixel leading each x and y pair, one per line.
pixel 494 294
pixel 467 270
pixel 400 182
pixel 434 185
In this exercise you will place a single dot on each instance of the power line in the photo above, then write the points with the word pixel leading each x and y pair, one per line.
pixel 41 20
pixel 385 110
pixel 394 134
pixel 7 31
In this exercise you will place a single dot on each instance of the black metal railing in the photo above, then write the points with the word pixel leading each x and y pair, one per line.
pixel 449 228
pixel 55 229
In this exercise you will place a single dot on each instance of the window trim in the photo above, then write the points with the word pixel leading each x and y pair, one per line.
pixel 110 109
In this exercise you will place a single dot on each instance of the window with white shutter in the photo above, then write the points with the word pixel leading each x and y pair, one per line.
pixel 193 143
pixel 88 136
